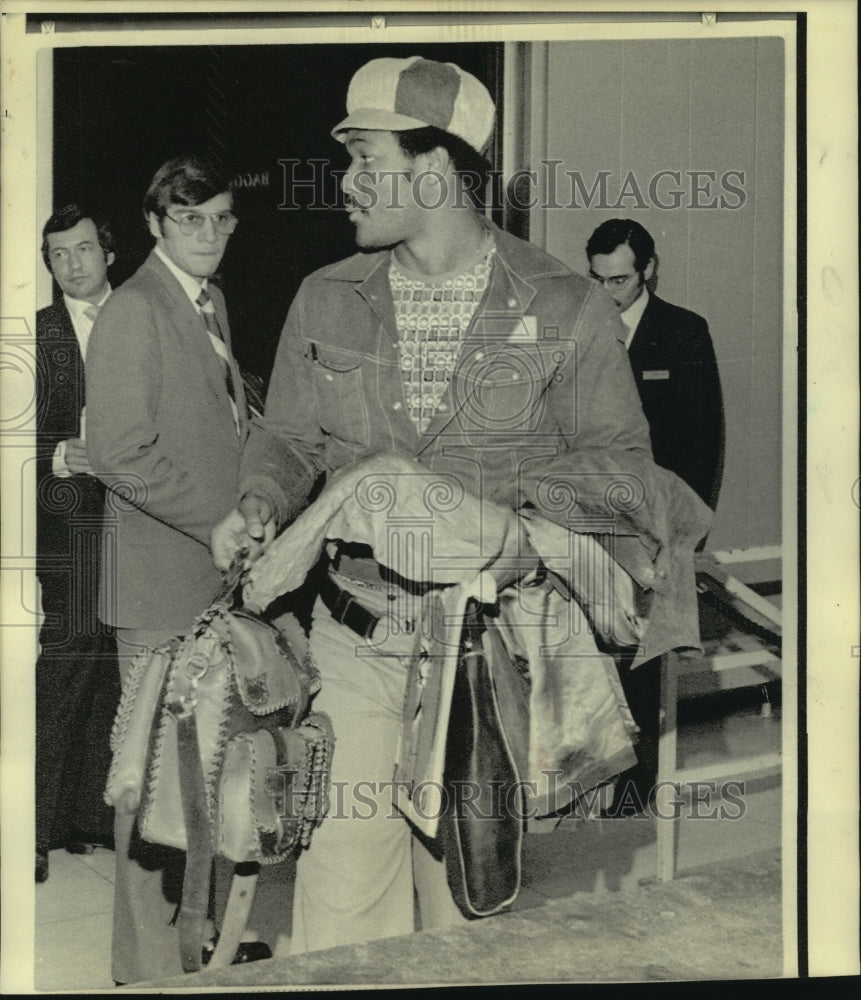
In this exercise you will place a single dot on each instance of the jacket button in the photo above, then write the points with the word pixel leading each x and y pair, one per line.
pixel 329 378
pixel 396 406
pixel 511 303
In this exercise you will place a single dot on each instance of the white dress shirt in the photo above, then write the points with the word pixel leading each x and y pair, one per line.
pixel 633 314
pixel 82 325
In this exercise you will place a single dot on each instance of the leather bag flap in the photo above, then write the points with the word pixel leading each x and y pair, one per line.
pixel 270 675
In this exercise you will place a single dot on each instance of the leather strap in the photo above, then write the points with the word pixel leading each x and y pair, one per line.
pixel 236 914
pixel 345 609
pixel 198 860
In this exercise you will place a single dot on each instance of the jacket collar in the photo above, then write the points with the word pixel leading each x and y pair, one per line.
pixel 190 324
pixel 648 329
pixel 511 290
pixel 172 288
pixel 187 282
pixel 524 258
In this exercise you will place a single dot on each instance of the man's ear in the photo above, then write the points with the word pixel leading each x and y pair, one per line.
pixel 649 270
pixel 154 226
pixel 110 258
pixel 436 161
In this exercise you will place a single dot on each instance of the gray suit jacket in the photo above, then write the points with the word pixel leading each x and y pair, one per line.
pixel 160 434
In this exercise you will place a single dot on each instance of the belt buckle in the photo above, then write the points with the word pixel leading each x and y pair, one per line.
pixel 342 606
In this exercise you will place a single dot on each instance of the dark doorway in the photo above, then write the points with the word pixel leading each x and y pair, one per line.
pixel 265 112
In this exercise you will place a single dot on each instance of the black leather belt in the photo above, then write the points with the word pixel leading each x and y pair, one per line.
pixel 346 609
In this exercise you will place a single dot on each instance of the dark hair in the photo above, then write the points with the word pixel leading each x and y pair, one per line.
pixel 68 217
pixel 614 232
pixel 184 180
pixel 465 161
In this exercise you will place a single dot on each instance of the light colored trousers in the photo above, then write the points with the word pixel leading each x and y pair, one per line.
pixel 356 880
pixel 148 877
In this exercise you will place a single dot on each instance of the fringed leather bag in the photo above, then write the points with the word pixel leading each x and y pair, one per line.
pixel 214 748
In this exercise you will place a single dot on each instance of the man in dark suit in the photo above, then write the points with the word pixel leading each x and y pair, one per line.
pixel 77 687
pixel 167 419
pixel 672 357
pixel 676 372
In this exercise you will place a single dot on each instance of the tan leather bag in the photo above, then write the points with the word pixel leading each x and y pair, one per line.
pixel 214 748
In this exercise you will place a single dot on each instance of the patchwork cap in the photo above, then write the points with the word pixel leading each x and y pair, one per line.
pixel 399 94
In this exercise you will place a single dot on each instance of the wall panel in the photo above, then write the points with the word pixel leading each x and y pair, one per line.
pixel 625 111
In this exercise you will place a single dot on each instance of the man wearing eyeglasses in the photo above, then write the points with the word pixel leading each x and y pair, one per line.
pixel 166 421
pixel 676 373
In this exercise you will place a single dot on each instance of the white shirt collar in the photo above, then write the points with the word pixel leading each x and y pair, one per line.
pixel 77 307
pixel 81 324
pixel 191 286
pixel 633 314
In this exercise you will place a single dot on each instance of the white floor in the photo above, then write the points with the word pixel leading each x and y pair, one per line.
pixel 73 908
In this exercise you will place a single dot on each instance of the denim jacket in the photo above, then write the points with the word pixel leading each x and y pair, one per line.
pixel 541 411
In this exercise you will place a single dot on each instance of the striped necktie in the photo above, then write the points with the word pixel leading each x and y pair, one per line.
pixel 207 310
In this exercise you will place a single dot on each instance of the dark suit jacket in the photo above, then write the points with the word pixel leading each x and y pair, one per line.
pixel 677 377
pixel 160 433
pixel 68 510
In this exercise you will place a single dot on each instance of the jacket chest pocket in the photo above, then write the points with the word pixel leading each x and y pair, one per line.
pixel 497 390
pixel 340 386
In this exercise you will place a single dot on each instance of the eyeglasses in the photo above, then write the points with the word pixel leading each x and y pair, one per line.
pixel 193 222
pixel 615 281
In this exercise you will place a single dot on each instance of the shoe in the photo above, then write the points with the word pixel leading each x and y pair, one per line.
pixel 248 951
pixel 85 843
pixel 80 847
pixel 251 951
pixel 41 866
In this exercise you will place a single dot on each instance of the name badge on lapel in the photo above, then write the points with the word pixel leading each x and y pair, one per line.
pixel 656 376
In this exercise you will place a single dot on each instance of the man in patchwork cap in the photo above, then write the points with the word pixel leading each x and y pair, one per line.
pixel 473 354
